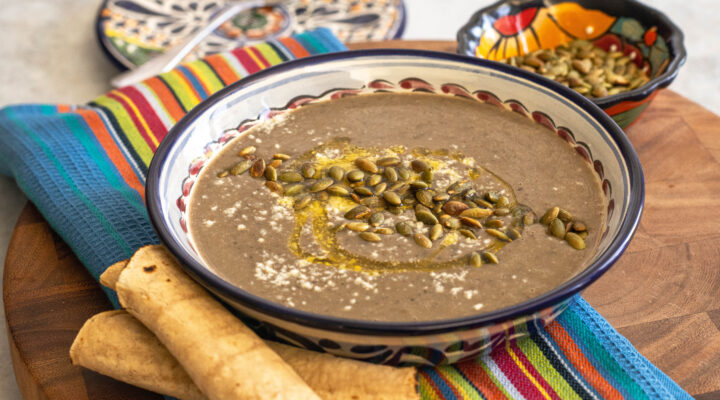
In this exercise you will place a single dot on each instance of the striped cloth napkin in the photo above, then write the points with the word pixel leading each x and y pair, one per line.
pixel 84 168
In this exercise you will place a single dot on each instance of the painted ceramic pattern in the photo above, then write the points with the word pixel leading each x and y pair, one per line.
pixel 404 350
pixel 514 29
pixel 134 30
pixel 546 27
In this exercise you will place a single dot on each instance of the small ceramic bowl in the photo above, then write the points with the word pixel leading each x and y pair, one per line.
pixel 516 27
pixel 203 132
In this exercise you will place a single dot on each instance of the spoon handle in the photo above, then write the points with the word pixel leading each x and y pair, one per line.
pixel 173 56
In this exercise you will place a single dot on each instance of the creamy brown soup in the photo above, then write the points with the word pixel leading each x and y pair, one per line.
pixel 331 230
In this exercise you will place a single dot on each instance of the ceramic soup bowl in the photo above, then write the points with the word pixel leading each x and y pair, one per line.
pixel 211 125
pixel 647 36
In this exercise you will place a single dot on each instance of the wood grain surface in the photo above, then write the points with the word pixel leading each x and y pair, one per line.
pixel 663 294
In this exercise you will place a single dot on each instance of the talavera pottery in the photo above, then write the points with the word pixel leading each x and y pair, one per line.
pixel 132 31
pixel 191 143
pixel 516 27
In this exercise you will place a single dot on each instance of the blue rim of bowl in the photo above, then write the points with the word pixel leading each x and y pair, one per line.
pixel 346 325
pixel 124 63
pixel 645 14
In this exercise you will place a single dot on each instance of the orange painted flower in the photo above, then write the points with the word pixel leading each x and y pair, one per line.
pixel 541 28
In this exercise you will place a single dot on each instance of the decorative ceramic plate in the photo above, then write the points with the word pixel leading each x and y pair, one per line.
pixel 132 31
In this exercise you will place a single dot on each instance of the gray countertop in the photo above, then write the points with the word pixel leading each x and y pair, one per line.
pixel 50 55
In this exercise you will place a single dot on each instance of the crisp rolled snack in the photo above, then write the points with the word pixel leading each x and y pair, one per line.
pixel 224 358
pixel 112 273
pixel 116 344
pixel 329 376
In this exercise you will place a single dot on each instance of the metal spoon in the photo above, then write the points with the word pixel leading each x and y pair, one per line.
pixel 173 56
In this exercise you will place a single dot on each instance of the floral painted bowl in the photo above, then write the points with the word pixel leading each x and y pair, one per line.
pixel 203 132
pixel 516 27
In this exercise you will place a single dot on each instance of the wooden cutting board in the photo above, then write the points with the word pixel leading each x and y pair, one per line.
pixel 663 295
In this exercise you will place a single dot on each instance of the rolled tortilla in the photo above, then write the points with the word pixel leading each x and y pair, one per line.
pixel 111 275
pixel 329 376
pixel 224 358
pixel 116 344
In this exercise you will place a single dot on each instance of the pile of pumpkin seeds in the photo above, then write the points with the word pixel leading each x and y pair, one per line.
pixel 562 225
pixel 389 184
pixel 582 66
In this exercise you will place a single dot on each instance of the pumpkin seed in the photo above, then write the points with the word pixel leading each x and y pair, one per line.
pixel 501 212
pixel 427 176
pixel 436 232
pixel 579 226
pixel 404 228
pixel 275 163
pixel 467 233
pixel 384 231
pixel 426 217
pixel 292 190
pixel 494 223
pixel 492 197
pixel 441 197
pixel 577 242
pixel 281 156
pixel 302 202
pixel 377 218
pixel 489 257
pixel 419 165
pixel 422 240
pixel 374 179
pixel 366 165
pixel 557 228
pixel 337 190
pixel 502 202
pixel 583 235
pixel 355 175
pixel 320 185
pixel 247 151
pixel 392 198
pixel 472 222
pixel 564 215
pixel 369 237
pixel 403 173
pixel 358 226
pixel 513 234
pixel 388 161
pixel 336 173
pixel 391 174
pixel 363 191
pixel 223 174
pixel 258 168
pixel 372 202
pixel 452 223
pixel 498 234
pixel 322 196
pixel 307 170
pixel 550 215
pixel 270 173
pixel 358 212
pixel 475 260
pixel 529 218
pixel 408 200
pixel 418 185
pixel 424 198
pixel 453 207
pixel 380 188
pixel 274 187
pixel 241 167
pixel 355 197
pixel 476 213
pixel 290 177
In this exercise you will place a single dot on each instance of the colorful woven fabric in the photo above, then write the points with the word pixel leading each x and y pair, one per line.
pixel 84 168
